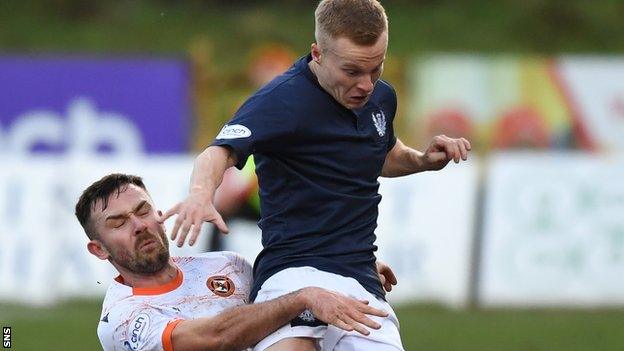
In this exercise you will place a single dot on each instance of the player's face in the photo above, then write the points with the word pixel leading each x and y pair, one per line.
pixel 130 230
pixel 349 71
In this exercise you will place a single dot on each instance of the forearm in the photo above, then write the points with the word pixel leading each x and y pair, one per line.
pixel 248 325
pixel 402 160
pixel 209 168
pixel 240 327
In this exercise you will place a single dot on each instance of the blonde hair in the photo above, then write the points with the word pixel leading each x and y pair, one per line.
pixel 361 21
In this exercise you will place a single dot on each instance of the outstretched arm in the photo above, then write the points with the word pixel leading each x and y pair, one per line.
pixel 403 160
pixel 243 326
pixel 198 207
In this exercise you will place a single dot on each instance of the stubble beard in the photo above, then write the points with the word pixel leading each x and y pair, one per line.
pixel 149 262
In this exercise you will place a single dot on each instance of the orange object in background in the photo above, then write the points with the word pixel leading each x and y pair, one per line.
pixel 521 127
pixel 450 122
pixel 269 61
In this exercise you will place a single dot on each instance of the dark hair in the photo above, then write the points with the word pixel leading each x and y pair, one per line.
pixel 101 191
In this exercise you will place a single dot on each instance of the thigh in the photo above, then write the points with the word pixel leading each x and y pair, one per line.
pixel 387 338
pixel 306 326
pixel 359 343
pixel 299 344
pixel 304 329
pixel 293 337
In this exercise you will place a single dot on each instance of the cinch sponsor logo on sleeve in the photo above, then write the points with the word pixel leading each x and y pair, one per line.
pixel 138 328
pixel 234 131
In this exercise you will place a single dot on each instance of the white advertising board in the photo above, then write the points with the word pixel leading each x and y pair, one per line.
pixel 553 231
pixel 426 225
pixel 596 91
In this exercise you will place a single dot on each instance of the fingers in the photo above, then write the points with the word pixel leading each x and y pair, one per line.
pixel 386 276
pixel 197 225
pixel 387 287
pixel 171 212
pixel 184 230
pixel 176 226
pixel 389 284
pixel 344 312
pixel 358 318
pixel 191 217
pixel 444 149
pixel 389 274
pixel 220 223
pixel 354 320
pixel 358 326
pixel 438 156
pixel 455 153
pixel 382 278
pixel 464 146
pixel 372 311
pixel 342 325
pixel 449 147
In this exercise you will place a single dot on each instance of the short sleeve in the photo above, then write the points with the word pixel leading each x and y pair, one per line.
pixel 392 108
pixel 258 126
pixel 140 329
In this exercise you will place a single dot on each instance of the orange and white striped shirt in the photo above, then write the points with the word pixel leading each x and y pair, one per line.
pixel 144 318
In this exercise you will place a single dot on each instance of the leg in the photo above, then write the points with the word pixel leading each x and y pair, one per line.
pixel 387 338
pixel 357 343
pixel 298 344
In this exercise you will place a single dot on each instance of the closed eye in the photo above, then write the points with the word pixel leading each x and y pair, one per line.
pixel 117 222
pixel 144 210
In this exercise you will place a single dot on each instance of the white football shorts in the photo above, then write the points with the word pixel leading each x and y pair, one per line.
pixel 386 338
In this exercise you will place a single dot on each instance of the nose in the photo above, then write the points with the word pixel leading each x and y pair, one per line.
pixel 366 83
pixel 139 224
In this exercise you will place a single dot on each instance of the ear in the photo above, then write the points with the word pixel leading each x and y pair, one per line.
pixel 316 53
pixel 97 249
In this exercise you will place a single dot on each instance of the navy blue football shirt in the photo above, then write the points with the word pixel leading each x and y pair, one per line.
pixel 317 164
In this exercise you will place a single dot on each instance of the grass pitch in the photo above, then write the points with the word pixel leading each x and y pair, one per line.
pixel 71 326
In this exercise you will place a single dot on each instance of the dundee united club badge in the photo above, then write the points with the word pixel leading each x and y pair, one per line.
pixel 221 285
pixel 379 120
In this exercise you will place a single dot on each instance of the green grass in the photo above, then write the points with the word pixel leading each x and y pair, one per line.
pixel 71 326
pixel 435 328
pixel 68 326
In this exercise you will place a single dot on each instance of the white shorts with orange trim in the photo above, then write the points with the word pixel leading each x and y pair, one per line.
pixel 386 338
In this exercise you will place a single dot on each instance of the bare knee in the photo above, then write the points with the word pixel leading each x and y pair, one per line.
pixel 295 344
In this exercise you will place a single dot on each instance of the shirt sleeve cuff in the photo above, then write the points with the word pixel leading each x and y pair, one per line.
pixel 241 158
pixel 167 340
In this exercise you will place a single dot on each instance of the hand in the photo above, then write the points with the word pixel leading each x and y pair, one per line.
pixel 386 275
pixel 341 311
pixel 196 209
pixel 442 150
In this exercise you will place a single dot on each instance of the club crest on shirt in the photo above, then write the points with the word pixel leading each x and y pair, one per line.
pixel 221 285
pixel 306 319
pixel 379 120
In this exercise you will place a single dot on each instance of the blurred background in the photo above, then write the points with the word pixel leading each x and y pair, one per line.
pixel 520 248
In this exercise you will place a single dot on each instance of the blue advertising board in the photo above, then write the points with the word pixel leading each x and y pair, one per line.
pixel 64 105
